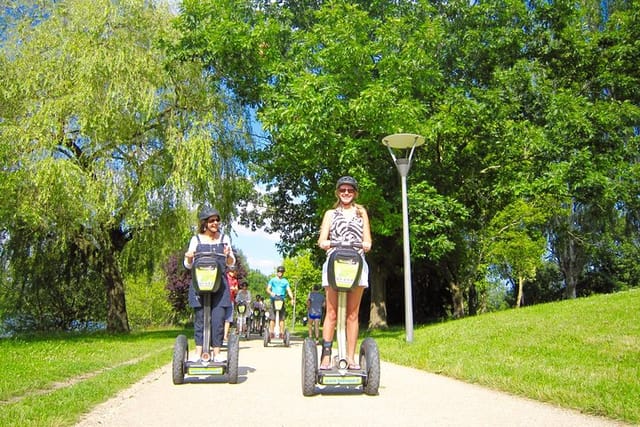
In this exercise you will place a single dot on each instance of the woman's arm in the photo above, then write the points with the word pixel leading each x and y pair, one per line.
pixel 323 238
pixel 191 251
pixel 366 231
pixel 228 251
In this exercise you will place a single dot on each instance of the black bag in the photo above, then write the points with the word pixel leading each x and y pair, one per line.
pixel 344 269
pixel 206 273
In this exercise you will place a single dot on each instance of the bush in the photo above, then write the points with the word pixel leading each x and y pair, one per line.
pixel 147 303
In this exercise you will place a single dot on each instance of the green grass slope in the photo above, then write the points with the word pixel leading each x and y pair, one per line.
pixel 582 354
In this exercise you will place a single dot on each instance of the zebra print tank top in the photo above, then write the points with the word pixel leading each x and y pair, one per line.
pixel 346 229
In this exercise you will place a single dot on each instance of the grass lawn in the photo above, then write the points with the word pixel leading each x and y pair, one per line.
pixel 582 354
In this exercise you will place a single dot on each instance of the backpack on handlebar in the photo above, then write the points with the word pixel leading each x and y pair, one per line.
pixel 344 269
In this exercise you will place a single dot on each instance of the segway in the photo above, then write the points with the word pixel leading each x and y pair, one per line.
pixel 241 320
pixel 278 336
pixel 343 273
pixel 206 281
pixel 257 321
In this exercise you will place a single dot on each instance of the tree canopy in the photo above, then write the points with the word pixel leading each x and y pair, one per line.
pixel 117 120
pixel 523 105
pixel 107 144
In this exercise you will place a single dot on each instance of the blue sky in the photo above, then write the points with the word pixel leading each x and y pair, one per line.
pixel 259 247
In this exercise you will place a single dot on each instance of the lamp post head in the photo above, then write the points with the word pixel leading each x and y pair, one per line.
pixel 404 143
pixel 403 140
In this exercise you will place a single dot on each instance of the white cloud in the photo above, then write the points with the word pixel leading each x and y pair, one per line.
pixel 245 231
pixel 259 247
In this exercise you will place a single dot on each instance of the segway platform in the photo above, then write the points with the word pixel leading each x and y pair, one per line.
pixel 203 368
pixel 183 368
pixel 341 377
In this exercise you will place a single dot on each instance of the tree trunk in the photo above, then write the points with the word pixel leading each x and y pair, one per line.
pixel 378 307
pixel 457 296
pixel 520 297
pixel 106 264
pixel 117 319
pixel 570 268
pixel 569 252
pixel 570 258
pixel 473 300
pixel 457 300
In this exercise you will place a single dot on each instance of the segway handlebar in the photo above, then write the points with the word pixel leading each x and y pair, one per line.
pixel 208 254
pixel 341 244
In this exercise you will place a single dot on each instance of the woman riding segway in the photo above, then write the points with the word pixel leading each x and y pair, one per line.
pixel 346 222
pixel 346 235
pixel 208 254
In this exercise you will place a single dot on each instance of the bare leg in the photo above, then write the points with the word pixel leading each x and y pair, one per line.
pixel 329 326
pixel 353 325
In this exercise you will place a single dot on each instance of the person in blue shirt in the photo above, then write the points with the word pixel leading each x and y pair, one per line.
pixel 278 286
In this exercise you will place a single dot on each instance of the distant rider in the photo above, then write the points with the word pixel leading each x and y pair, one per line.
pixel 277 287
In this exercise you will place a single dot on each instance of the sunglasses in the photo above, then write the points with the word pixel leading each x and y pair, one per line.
pixel 212 220
pixel 346 190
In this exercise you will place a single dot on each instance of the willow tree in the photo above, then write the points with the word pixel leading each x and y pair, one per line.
pixel 106 143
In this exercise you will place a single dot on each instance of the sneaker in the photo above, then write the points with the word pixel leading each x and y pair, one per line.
pixel 219 358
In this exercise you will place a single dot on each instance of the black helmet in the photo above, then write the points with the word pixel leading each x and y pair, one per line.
pixel 208 212
pixel 347 180
pixel 280 269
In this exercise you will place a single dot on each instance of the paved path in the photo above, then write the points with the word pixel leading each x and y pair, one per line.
pixel 269 393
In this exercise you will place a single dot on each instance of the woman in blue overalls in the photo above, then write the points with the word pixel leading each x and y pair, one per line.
pixel 210 239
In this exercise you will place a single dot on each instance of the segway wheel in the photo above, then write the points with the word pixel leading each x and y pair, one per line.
pixel 309 367
pixel 180 355
pixel 265 335
pixel 233 351
pixel 287 338
pixel 370 362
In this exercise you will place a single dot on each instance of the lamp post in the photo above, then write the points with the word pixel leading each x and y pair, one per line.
pixel 404 144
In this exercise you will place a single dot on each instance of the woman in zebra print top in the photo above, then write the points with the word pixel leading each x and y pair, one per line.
pixel 347 221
